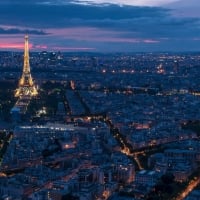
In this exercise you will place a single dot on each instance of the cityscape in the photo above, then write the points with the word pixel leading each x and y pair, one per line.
pixel 99 100
pixel 99 126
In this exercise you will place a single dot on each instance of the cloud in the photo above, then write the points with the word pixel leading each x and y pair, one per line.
pixel 185 8
pixel 54 23
pixel 11 46
pixel 11 31
pixel 98 35
pixel 70 14
pixel 90 2
pixel 125 2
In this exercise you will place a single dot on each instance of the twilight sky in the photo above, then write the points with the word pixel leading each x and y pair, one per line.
pixel 101 25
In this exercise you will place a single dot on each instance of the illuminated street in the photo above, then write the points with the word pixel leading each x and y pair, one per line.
pixel 190 187
pixel 134 155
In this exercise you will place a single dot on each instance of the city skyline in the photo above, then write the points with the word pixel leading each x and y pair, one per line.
pixel 100 26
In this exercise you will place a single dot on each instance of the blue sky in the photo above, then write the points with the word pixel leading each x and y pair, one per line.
pixel 101 25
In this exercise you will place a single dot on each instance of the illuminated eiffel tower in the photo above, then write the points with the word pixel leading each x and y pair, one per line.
pixel 26 85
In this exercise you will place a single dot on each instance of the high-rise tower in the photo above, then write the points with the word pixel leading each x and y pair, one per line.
pixel 26 85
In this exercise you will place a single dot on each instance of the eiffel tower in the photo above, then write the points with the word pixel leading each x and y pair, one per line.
pixel 26 85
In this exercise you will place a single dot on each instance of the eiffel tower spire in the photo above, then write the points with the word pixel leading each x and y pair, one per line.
pixel 26 86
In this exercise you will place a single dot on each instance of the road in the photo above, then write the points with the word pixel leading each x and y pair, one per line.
pixel 193 183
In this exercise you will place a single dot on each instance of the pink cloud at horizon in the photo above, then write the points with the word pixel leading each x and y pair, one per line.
pixel 19 46
pixel 73 39
pixel 97 35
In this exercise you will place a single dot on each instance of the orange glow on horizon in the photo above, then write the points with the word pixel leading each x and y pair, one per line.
pixel 14 46
pixel 20 46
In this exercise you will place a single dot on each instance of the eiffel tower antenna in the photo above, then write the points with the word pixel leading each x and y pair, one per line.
pixel 26 85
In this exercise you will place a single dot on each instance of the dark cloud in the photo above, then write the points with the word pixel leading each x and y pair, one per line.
pixel 128 21
pixel 44 16
pixel 60 15
pixel 20 2
pixel 21 31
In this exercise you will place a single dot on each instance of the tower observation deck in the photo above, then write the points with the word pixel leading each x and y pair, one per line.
pixel 26 85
